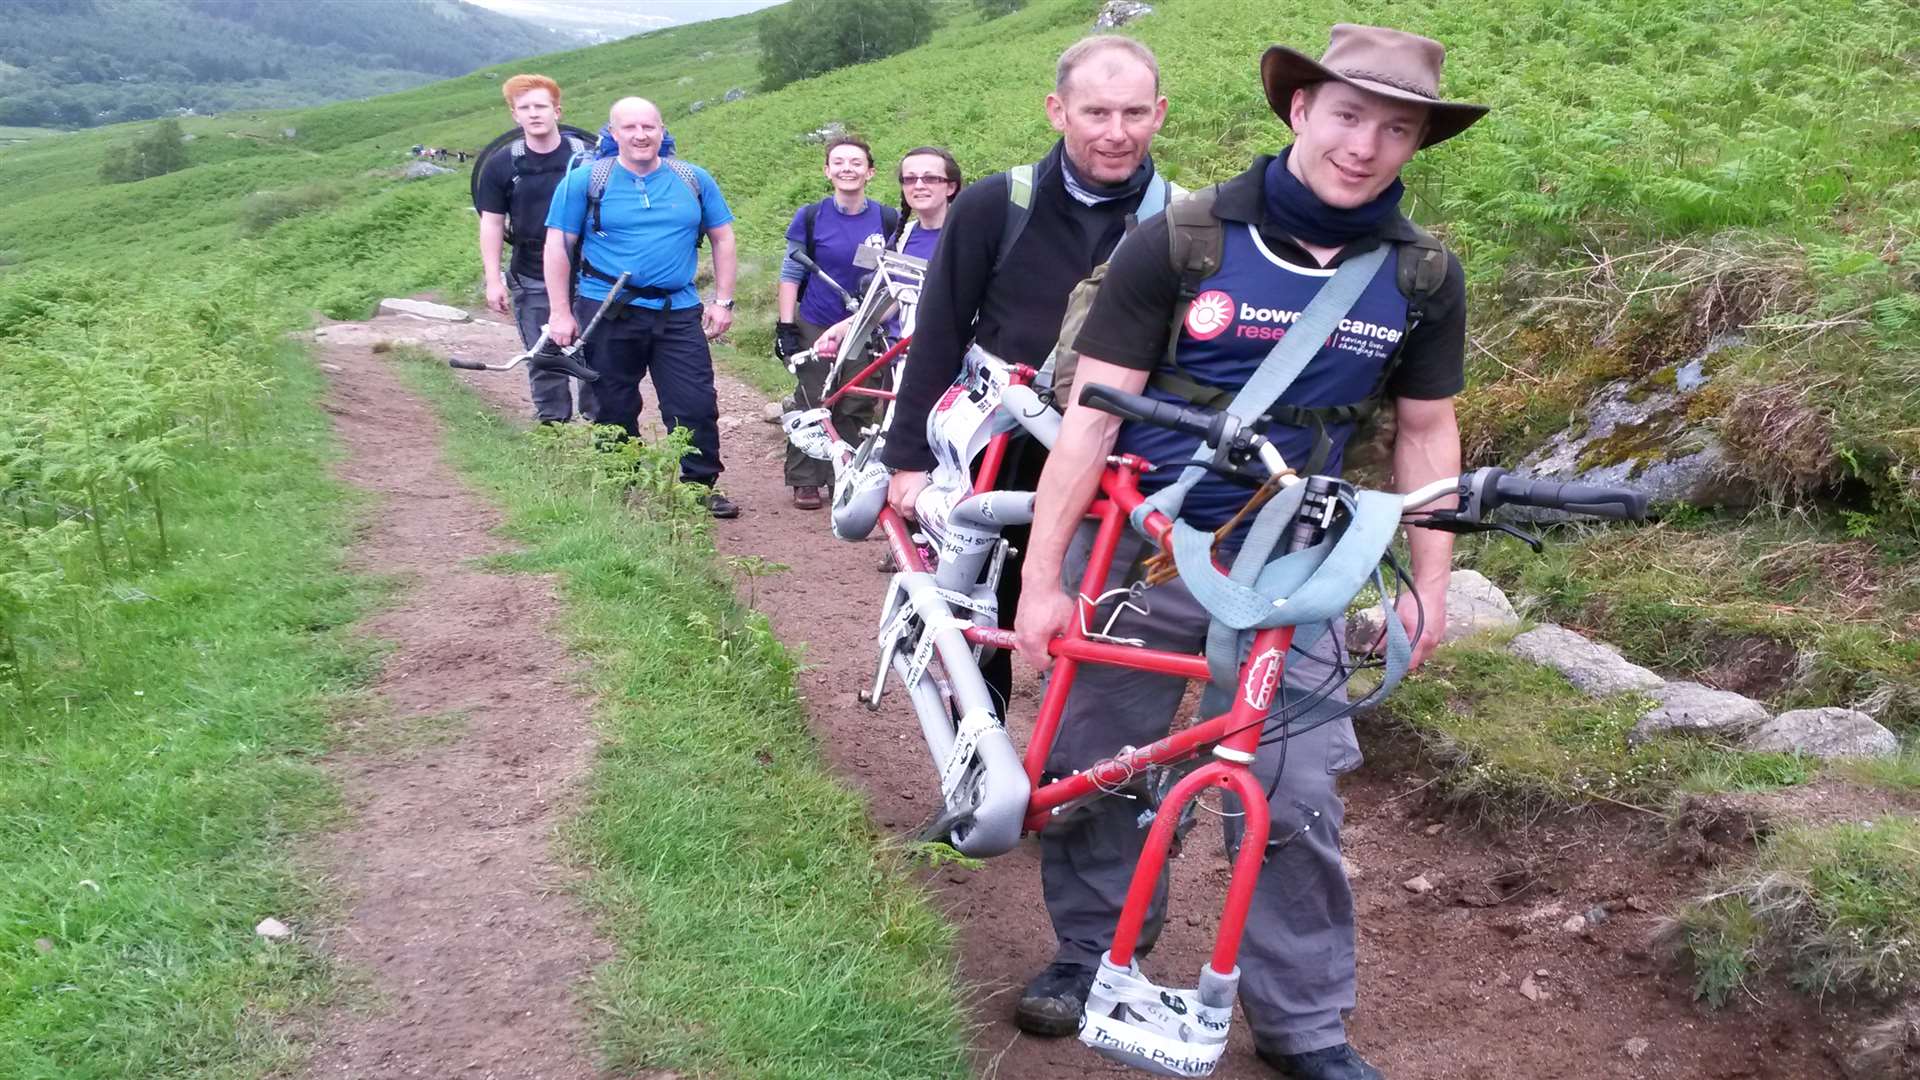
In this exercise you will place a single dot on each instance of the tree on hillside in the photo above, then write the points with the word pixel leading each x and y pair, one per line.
pixel 161 150
pixel 807 37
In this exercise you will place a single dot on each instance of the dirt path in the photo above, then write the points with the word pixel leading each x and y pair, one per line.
pixel 460 917
pixel 1477 978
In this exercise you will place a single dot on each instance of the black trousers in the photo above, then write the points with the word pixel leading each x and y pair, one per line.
pixel 668 343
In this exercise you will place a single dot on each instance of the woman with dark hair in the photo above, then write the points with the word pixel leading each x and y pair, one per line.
pixel 929 181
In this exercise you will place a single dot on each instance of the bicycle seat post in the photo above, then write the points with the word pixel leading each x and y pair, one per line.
pixel 1316 514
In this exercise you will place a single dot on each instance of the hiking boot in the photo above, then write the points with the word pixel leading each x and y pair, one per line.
pixel 1052 1003
pixel 722 507
pixel 807 497
pixel 1331 1063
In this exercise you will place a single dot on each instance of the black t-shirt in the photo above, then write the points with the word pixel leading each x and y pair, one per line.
pixel 1131 314
pixel 522 193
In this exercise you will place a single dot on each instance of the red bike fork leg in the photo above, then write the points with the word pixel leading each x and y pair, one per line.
pixel 1246 865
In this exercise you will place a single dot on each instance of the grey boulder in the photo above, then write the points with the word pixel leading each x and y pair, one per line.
pixel 1595 668
pixel 1474 605
pixel 1830 732
pixel 1688 708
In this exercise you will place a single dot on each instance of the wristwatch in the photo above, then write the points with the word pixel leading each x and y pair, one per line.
pixel 728 304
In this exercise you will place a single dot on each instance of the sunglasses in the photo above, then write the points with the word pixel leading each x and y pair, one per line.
pixel 929 180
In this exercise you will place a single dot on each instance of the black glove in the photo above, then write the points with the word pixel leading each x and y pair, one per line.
pixel 786 340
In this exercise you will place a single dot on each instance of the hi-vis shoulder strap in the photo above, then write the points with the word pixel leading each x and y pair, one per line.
pixel 1305 589
pixel 1020 184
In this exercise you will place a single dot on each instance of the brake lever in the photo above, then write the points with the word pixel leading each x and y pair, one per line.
pixel 1451 521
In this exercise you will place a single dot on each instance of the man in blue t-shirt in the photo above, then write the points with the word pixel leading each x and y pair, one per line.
pixel 828 232
pixel 647 224
pixel 1358 116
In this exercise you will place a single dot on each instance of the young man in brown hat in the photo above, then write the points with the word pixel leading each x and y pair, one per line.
pixel 1284 227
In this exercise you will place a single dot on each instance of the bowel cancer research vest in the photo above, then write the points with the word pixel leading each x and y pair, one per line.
pixel 1237 316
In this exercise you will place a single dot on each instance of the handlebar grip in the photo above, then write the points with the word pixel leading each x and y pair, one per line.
pixel 554 358
pixel 1597 500
pixel 1205 424
pixel 469 365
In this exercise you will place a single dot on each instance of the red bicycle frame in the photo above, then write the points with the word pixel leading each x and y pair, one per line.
pixel 852 386
pixel 1234 736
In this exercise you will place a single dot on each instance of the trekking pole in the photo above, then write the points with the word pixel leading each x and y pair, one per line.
pixel 545 355
pixel 845 296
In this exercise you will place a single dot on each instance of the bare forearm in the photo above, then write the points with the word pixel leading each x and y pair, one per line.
pixel 726 265
pixel 789 300
pixel 559 270
pixel 1067 486
pixel 493 234
pixel 1426 451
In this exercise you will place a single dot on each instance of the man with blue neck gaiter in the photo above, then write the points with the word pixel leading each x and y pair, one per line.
pixel 1282 228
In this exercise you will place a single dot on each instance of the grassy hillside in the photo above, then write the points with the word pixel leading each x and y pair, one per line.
pixel 1652 176
pixel 80 63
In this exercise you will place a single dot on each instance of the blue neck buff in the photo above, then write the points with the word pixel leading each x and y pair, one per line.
pixel 1089 193
pixel 1299 213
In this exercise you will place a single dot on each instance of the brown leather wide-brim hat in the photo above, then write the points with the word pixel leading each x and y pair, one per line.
pixel 1391 63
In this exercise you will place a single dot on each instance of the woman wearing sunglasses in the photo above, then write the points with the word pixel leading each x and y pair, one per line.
pixel 929 180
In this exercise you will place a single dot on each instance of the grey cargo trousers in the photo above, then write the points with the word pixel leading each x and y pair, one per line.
pixel 552 391
pixel 1297 956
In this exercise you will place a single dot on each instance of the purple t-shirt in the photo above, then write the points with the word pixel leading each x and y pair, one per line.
pixel 836 235
pixel 921 241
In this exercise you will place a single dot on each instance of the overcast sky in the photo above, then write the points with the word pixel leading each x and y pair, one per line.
pixel 605 20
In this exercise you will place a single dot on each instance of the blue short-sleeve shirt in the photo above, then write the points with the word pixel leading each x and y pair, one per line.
pixel 649 226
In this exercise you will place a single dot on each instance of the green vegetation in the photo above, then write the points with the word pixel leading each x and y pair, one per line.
pixel 804 38
pixel 1515 737
pixel 763 930
pixel 1653 175
pixel 1837 908
pixel 157 749
pixel 78 63
pixel 161 150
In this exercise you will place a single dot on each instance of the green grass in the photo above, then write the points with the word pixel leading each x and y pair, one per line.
pixel 1898 773
pixel 1837 909
pixel 762 928
pixel 1829 616
pixel 153 786
pixel 1514 737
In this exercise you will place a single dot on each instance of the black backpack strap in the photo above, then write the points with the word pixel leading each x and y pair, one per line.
pixel 807 215
pixel 889 221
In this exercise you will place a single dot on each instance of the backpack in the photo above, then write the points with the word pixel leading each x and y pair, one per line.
pixel 606 155
pixel 512 142
pixel 1160 191
pixel 889 224
pixel 1195 241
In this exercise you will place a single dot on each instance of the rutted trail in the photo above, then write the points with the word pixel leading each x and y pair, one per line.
pixel 1441 973
pixel 459 912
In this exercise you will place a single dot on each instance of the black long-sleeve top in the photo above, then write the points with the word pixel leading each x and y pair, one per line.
pixel 1014 314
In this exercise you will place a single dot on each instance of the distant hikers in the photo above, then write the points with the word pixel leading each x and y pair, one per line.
pixel 827 233
pixel 512 190
pixel 644 215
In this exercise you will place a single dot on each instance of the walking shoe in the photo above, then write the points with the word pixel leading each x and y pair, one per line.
pixel 1052 1003
pixel 722 507
pixel 1331 1063
pixel 806 497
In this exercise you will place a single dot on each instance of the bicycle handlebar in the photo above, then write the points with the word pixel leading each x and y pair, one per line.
pixel 1498 487
pixel 1206 424
pixel 1481 491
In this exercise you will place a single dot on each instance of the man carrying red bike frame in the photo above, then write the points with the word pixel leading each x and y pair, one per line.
pixel 1284 226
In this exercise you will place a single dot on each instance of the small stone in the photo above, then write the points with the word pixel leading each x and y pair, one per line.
pixel 1436 828
pixel 1597 914
pixel 332 369
pixel 1347 868
pixel 1417 885
pixel 1531 990
pixel 1593 667
pixel 1637 1047
pixel 1825 733
pixel 1575 924
pixel 771 413
pixel 1688 708
pixel 273 929
pixel 424 309
pixel 1541 972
